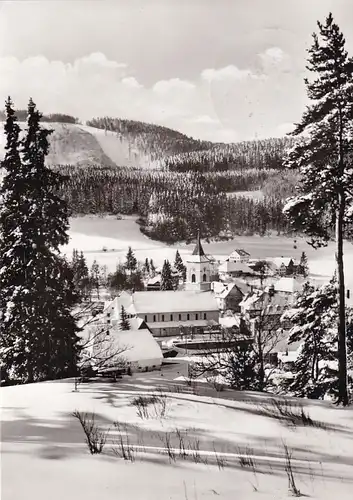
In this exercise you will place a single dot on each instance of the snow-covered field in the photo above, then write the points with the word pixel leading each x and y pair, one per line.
pixel 235 450
pixel 91 233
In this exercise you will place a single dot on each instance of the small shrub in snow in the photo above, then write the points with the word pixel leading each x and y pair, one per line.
pixel 151 406
pixel 246 458
pixel 291 413
pixel 123 448
pixel 292 487
pixel 220 461
pixel 95 437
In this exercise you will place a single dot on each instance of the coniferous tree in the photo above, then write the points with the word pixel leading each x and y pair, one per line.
pixel 241 372
pixel 135 281
pixel 312 317
pixel 131 261
pixel 323 156
pixel 179 265
pixel 152 268
pixel 124 320
pixel 146 267
pixel 81 277
pixel 303 267
pixel 95 277
pixel 118 281
pixel 167 281
pixel 38 334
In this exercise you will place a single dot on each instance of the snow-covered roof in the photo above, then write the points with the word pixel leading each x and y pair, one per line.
pixel 229 321
pixel 162 301
pixel 289 284
pixel 229 266
pixel 138 345
pixel 218 287
pixel 278 261
pixel 154 281
pixel 240 285
pixel 137 324
pixel 261 299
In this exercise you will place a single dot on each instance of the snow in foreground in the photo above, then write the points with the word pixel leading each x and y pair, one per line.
pixel 237 449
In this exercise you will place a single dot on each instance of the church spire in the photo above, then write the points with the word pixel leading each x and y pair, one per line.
pixel 198 250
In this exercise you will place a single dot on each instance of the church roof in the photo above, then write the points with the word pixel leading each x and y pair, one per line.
pixel 172 301
pixel 198 255
pixel 198 250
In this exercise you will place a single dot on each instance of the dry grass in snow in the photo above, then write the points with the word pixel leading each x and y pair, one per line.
pixel 163 441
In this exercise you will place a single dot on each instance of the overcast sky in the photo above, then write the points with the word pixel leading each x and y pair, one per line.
pixel 223 70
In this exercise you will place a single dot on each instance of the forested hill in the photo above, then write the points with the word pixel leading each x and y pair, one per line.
pixel 177 152
pixel 134 144
pixel 158 141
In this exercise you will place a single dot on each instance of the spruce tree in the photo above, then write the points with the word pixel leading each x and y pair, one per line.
pixel 146 267
pixel 152 268
pixel 38 334
pixel 118 281
pixel 131 261
pixel 312 317
pixel 323 157
pixel 179 265
pixel 81 277
pixel 95 277
pixel 167 281
pixel 124 321
pixel 303 267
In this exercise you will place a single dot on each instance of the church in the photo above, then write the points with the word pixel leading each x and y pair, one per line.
pixel 170 313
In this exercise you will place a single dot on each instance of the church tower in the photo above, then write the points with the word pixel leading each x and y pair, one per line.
pixel 199 269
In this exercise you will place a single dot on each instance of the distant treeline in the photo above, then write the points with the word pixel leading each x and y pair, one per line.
pixel 173 206
pixel 261 154
pixel 54 117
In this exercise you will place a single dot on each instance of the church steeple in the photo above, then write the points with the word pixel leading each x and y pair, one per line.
pixel 199 268
pixel 198 250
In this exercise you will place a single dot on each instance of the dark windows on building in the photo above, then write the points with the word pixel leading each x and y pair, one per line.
pixel 193 278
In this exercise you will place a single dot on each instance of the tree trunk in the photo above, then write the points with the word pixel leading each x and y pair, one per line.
pixel 261 373
pixel 341 337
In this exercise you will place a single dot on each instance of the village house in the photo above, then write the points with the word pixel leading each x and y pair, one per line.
pixel 264 302
pixel 239 255
pixel 286 266
pixel 128 351
pixel 232 295
pixel 232 269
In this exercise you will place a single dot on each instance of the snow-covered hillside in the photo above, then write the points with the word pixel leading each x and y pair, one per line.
pixel 234 448
pixel 83 146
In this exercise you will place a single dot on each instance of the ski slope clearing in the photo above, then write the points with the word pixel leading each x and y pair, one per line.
pixel 84 146
pixel 69 144
pixel 191 443
pixel 120 150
